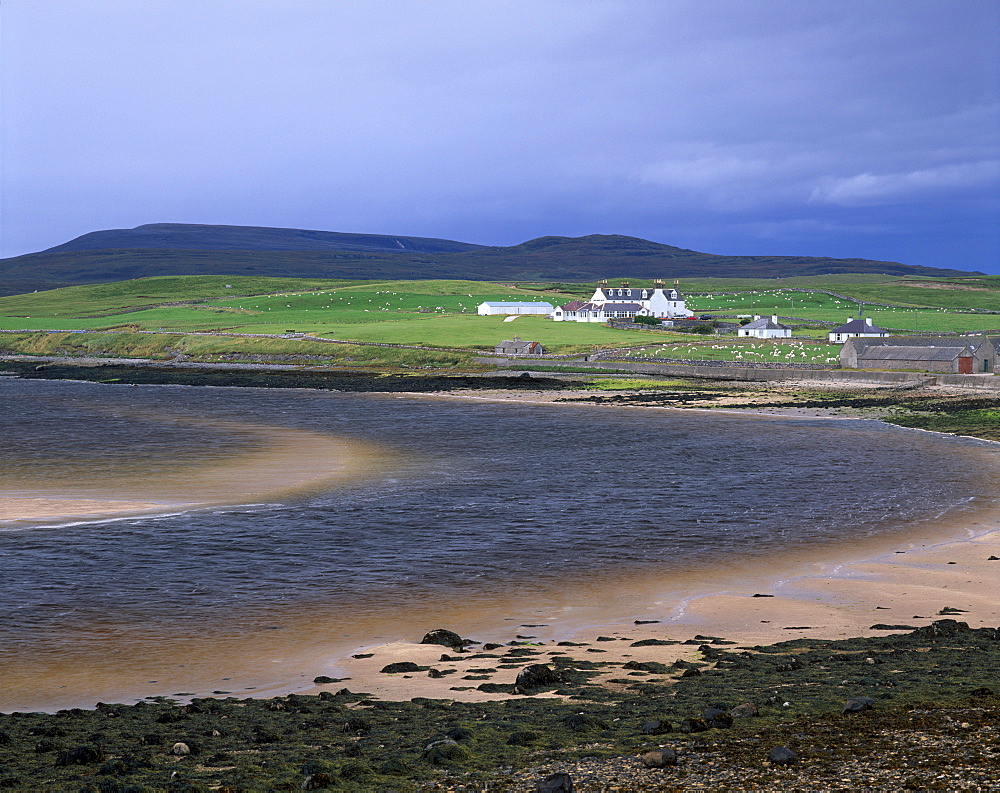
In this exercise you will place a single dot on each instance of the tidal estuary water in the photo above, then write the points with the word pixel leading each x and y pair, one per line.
pixel 300 524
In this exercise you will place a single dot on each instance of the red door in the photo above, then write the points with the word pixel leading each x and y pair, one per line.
pixel 965 364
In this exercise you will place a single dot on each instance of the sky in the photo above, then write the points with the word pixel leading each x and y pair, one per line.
pixel 841 128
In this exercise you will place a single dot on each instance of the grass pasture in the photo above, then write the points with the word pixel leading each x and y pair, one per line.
pixel 746 350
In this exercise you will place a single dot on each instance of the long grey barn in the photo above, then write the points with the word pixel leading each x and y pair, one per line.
pixel 946 354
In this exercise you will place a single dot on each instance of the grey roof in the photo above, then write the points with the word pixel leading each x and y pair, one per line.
pixel 573 305
pixel 899 353
pixel 517 344
pixel 858 326
pixel 497 303
pixel 623 307
pixel 764 323
pixel 918 341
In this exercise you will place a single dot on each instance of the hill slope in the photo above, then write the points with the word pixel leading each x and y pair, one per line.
pixel 183 249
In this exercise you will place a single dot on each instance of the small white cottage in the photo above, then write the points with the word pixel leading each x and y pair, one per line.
pixel 856 328
pixel 764 328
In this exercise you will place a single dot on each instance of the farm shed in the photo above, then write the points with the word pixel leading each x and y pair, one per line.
pixel 490 307
pixel 517 347
pixel 946 354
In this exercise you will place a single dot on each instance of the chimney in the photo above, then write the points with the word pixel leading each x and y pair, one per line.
pixel 625 284
pixel 868 320
pixel 774 318
pixel 603 283
pixel 756 317
pixel 850 319
pixel 658 283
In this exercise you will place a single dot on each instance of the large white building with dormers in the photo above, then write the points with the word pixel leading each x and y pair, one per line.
pixel 624 302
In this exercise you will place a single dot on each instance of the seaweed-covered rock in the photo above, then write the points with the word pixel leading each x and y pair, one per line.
pixel 555 783
pixel 647 666
pixel 445 638
pixel 522 738
pixel 445 752
pixel 403 666
pixel 940 628
pixel 536 676
pixel 782 755
pixel 660 758
pixel 744 710
pixel 656 727
pixel 858 704
pixel 80 755
pixel 318 781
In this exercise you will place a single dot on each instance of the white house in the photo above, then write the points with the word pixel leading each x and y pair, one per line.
pixel 765 328
pixel 624 302
pixel 489 307
pixel 861 327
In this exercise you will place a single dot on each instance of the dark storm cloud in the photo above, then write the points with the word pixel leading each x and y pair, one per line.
pixel 829 128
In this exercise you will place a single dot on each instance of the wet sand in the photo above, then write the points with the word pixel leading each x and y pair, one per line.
pixel 833 592
pixel 906 582
pixel 29 509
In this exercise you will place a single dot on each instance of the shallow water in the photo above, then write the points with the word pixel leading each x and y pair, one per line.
pixel 349 514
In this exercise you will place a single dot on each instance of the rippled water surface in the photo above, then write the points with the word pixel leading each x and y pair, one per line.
pixel 453 499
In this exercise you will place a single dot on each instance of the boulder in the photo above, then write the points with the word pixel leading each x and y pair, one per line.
pixel 858 704
pixel 782 755
pixel 81 755
pixel 445 752
pixel 744 710
pixel 659 758
pixel 555 783
pixel 403 666
pixel 940 628
pixel 445 638
pixel 536 676
pixel 656 727
pixel 180 749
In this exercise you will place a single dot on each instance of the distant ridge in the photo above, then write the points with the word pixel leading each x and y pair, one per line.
pixel 190 249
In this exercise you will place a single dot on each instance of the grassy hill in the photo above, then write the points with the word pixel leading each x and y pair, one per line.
pixel 183 249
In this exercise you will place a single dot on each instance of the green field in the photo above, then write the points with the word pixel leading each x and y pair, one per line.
pixel 745 349
pixel 443 314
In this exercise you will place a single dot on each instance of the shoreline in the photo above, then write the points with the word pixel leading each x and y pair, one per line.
pixel 836 594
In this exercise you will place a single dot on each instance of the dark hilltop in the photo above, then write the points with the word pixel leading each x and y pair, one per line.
pixel 190 249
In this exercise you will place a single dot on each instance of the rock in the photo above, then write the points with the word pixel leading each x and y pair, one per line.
pixel 359 656
pixel 5 738
pixel 691 673
pixel 993 559
pixel 858 704
pixel 949 610
pixel 434 673
pixel 445 638
pixel 718 718
pixel 606 638
pixel 491 646
pixel 81 755
pixel 693 725
pixel 660 758
pixel 656 727
pixel 459 733
pixel 981 692
pixel 445 752
pixel 758 595
pixel 321 679
pixel 646 622
pixel 326 696
pixel 522 738
pixel 782 755
pixel 403 666
pixel 651 642
pixel 180 749
pixel 744 710
pixel 883 627
pixel 647 666
pixel 582 721
pixel 940 628
pixel 318 781
pixel 536 676
pixel 555 783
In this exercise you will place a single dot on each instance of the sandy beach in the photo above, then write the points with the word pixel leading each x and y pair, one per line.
pixel 942 568
pixel 906 583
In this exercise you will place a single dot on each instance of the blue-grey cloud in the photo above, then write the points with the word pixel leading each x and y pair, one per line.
pixel 834 127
